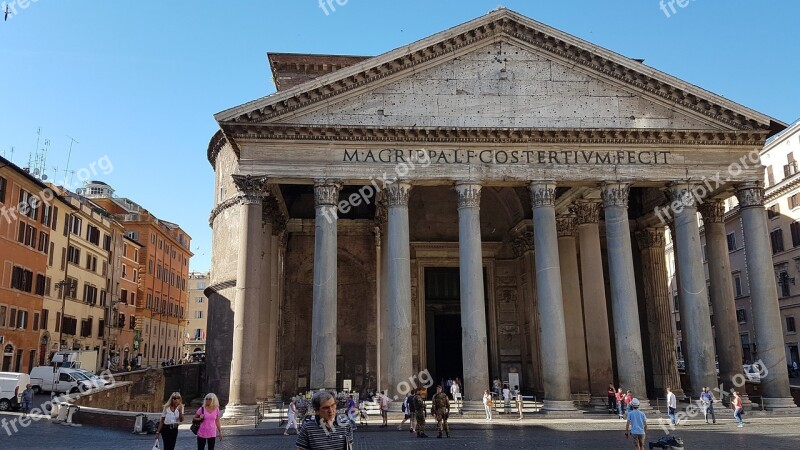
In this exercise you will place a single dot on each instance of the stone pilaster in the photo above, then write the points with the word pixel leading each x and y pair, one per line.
pixel 246 314
pixel 473 306
pixel 324 306
pixel 764 298
pixel 628 342
pixel 595 314
pixel 398 319
pixel 573 309
pixel 557 396
pixel 652 243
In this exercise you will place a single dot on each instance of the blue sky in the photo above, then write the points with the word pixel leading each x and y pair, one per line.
pixel 139 82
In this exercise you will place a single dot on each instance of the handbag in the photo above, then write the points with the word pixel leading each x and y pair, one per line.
pixel 196 423
pixel 155 446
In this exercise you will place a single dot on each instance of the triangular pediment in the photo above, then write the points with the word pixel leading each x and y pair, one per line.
pixel 500 70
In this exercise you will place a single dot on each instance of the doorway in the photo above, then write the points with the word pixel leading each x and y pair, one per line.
pixel 443 323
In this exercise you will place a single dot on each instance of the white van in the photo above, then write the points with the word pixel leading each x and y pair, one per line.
pixel 11 386
pixel 67 381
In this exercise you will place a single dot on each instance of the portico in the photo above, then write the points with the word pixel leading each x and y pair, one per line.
pixel 531 161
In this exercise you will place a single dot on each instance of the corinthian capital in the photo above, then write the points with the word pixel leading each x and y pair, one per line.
pixel 253 189
pixel 615 194
pixel 651 238
pixel 685 193
pixel 469 194
pixel 326 192
pixel 542 194
pixel 586 211
pixel 750 195
pixel 397 193
pixel 712 211
pixel 565 224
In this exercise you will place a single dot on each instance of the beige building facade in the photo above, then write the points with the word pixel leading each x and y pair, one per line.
pixel 197 314
pixel 488 202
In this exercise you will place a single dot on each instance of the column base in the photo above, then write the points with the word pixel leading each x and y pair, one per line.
pixel 597 402
pixel 239 414
pixel 560 407
pixel 779 404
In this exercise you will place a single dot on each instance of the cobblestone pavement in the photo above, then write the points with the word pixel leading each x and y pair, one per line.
pixel 771 433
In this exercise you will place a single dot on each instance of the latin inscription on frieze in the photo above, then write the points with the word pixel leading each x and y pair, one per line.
pixel 514 157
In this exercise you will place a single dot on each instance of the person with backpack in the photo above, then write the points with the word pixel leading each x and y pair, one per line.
pixel 408 414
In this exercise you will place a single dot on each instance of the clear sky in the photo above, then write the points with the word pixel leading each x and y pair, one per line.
pixel 139 82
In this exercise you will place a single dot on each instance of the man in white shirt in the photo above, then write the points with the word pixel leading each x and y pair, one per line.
pixel 672 406
pixel 506 399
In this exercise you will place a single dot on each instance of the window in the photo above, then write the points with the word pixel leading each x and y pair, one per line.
pixel 44 242
pixel 54 225
pixel 3 185
pixel 75 225
pixel 45 319
pixel 124 271
pixel 790 168
pixel 200 299
pixel 150 267
pixel 101 328
pixel 91 262
pixel 774 211
pixel 795 230
pixel 737 285
pixel 35 321
pixel 201 285
pixel 106 242
pixel 47 215
pixel 731 242
pixel 86 327
pixel 794 201
pixel 28 204
pixel 93 234
pixel 21 279
pixel 74 255
pixel 741 315
pixel 41 282
pixel 783 284
pixel 770 177
pixel 89 294
pixel 153 239
pixel 3 310
pixel 776 237
pixel 790 328
pixel 133 323
pixel 198 333
pixel 198 314
pixel 149 301
pixel 132 235
pixel 121 320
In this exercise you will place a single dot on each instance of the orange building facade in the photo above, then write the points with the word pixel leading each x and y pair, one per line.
pixel 28 218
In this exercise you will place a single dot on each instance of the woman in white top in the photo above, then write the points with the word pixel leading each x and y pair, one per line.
pixel 487 404
pixel 171 417
pixel 292 418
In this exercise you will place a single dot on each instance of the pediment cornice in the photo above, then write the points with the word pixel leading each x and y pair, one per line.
pixel 616 136
pixel 496 25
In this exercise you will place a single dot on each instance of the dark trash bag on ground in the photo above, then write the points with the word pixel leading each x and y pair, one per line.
pixel 668 442
pixel 150 427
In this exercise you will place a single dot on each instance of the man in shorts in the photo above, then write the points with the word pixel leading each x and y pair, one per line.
pixel 636 426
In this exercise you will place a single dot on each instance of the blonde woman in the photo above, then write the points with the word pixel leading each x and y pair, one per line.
pixel 171 417
pixel 210 429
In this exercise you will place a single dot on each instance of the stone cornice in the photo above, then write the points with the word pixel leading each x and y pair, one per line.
pixel 502 23
pixel 608 136
pixel 220 208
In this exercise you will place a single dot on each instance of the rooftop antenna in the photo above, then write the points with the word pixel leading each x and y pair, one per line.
pixel 72 140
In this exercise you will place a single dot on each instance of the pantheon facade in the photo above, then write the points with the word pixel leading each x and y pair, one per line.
pixel 488 202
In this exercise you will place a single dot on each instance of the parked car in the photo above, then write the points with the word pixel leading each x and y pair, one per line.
pixel 95 379
pixel 46 379
pixel 11 386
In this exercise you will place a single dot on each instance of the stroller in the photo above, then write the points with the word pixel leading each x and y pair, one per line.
pixel 668 443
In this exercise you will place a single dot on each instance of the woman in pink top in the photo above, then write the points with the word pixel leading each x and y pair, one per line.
pixel 208 414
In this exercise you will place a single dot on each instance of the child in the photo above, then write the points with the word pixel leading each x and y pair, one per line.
pixel 636 424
